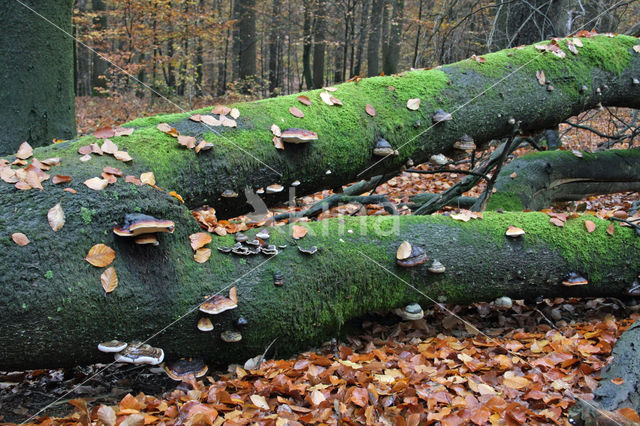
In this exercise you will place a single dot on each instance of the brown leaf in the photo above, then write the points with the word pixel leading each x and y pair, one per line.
pixel 513 175
pixel 360 397
pixel 228 122
pixel 124 131
pixel 413 104
pixel 542 79
pixel 557 222
pixel 108 147
pixel 96 183
pixel 95 149
pixel 8 175
pixel 55 216
pixel 106 415
pixel 25 151
pixel 370 110
pixel 104 132
pixel 304 100
pixel 122 156
pixel 100 255
pixel 299 231
pixel 516 382
pixel 211 120
pixel 71 190
pixel 196 117
pixel 590 226
pixel 276 130
pixel 611 229
pixel 132 179
pixel 199 240
pixel 296 112
pixel 20 239
pixel 259 401
pixel 85 150
pixel 335 101
pixel 202 255
pixel 277 142
pixel 112 171
pixel 326 98
pixel 221 109
pixel 148 178
pixel 109 279
pixel 187 141
pixel 60 179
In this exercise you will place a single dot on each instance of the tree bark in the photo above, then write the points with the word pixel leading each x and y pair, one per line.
pixel 362 31
pixel 48 286
pixel 36 74
pixel 274 48
pixel 247 34
pixel 100 66
pixel 319 42
pixel 307 40
pixel 392 52
pixel 373 47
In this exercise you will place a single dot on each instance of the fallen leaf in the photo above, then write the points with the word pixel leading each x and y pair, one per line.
pixel 211 120
pixel 112 171
pixel 228 122
pixel 590 226
pixel 259 401
pixel 85 158
pixel 196 117
pixel 276 130
pixel 296 112
pixel 617 381
pixel 8 175
pixel 557 222
pixel 202 255
pixel 109 279
pixel 299 231
pixel 122 156
pixel 370 110
pixel 360 397
pixel 326 98
pixel 317 397
pixel 413 104
pixel 55 216
pixel 516 382
pixel 71 190
pixel 235 113
pixel 304 100
pixel 542 79
pixel 199 240
pixel 277 142
pixel 100 255
pixel 187 141
pixel 148 178
pixel 221 110
pixel 104 132
pixel 124 131
pixel 611 229
pixel 109 147
pixel 132 179
pixel 176 195
pixel 576 153
pixel 24 151
pixel 106 415
pixel 513 175
pixel 20 239
pixel 636 48
pixel 96 183
pixel 335 101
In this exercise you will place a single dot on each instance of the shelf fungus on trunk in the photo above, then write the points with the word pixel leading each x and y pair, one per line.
pixel 112 346
pixel 383 148
pixel 465 143
pixel 411 312
pixel 297 136
pixel 180 369
pixel 205 324
pixel 230 336
pixel 137 224
pixel 441 116
pixel 408 256
pixel 140 353
pixel 437 267
pixel 218 303
pixel 574 278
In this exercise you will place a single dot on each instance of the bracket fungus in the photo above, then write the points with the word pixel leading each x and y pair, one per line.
pixel 263 235
pixel 437 267
pixel 140 353
pixel 408 256
pixel 230 336
pixel 311 250
pixel 145 239
pixel 278 279
pixel 228 193
pixel 180 369
pixel 465 143
pixel 205 324
pixel 573 279
pixel 383 148
pixel 440 116
pixel 274 188
pixel 297 136
pixel 217 305
pixel 112 346
pixel 136 224
pixel 439 159
pixel 514 232
pixel 411 312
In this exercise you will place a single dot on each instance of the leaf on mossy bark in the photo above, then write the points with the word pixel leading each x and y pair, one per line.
pixel 199 240
pixel 413 104
pixel 55 216
pixel 296 112
pixel 96 183
pixel 25 151
pixel 304 100
pixel 109 279
pixel 20 239
pixel 107 147
pixel 100 255
pixel 202 255
pixel 148 178
pixel 590 226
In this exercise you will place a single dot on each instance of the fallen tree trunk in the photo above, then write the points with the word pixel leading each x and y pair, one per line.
pixel 483 97
pixel 535 181
pixel 56 311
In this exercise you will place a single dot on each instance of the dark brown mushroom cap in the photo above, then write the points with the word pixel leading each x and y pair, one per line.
pixel 574 278
pixel 295 135
pixel 439 116
pixel 136 224
pixel 181 368
pixel 112 346
pixel 218 304
pixel 417 257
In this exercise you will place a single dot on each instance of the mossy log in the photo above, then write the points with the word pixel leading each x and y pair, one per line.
pixel 535 181
pixel 56 312
pixel 482 97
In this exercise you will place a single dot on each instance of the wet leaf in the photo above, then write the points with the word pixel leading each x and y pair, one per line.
pixel 96 183
pixel 24 151
pixel 100 255
pixel 515 382
pixel 370 110
pixel 299 231
pixel 20 239
pixel 296 112
pixel 590 226
pixel 109 279
pixel 124 131
pixel 617 381
pixel 304 100
pixel 413 104
pixel 55 216
pixel 199 240
pixel 202 255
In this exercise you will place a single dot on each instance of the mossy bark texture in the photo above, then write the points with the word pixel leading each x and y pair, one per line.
pixel 36 73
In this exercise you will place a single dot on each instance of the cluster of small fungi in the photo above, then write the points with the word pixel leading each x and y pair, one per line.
pixel 216 305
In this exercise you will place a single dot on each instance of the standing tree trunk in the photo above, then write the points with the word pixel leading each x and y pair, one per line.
pixel 362 31
pixel 391 54
pixel 373 47
pixel 306 47
pixel 319 44
pixel 36 74
pixel 247 35
pixel 82 76
pixel 274 42
pixel 100 66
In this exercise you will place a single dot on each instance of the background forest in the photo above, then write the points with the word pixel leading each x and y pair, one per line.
pixel 201 49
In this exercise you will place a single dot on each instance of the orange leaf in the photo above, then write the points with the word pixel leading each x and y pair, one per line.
pixel 296 112
pixel 360 397
pixel 104 133
pixel 590 226
pixel 299 231
pixel 96 183
pixel 20 239
pixel 199 240
pixel 516 382
pixel 370 110
pixel 25 151
pixel 176 195
pixel 557 222
pixel 304 100
pixel 100 255
pixel 611 229
pixel 109 279
pixel 202 255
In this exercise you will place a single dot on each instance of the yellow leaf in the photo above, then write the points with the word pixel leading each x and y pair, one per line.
pixel 202 255
pixel 109 279
pixel 148 178
pixel 100 255
pixel 199 240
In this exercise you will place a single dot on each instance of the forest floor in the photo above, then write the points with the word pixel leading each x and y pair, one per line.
pixel 503 362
